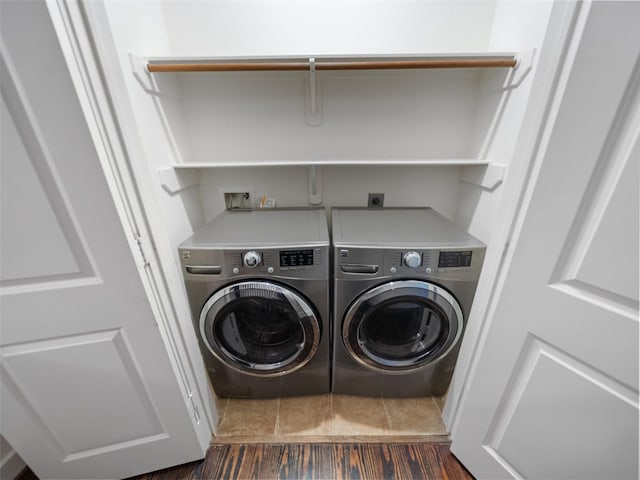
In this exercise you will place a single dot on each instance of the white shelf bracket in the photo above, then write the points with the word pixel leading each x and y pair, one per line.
pixel 315 185
pixel 313 114
pixel 174 180
pixel 488 177
pixel 141 74
pixel 523 67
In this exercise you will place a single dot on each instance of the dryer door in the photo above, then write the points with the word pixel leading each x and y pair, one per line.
pixel 259 327
pixel 401 326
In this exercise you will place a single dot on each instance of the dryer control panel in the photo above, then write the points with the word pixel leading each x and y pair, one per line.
pixel 301 262
pixel 433 261
pixel 461 263
pixel 455 259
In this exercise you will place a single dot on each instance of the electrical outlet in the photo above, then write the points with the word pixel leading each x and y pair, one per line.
pixel 376 200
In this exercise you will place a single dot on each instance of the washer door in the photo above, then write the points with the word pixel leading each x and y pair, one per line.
pixel 260 328
pixel 401 326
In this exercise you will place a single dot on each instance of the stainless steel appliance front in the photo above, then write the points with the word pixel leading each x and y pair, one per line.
pixel 404 280
pixel 261 307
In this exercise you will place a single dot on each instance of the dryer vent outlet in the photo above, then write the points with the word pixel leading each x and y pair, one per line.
pixel 234 200
pixel 376 200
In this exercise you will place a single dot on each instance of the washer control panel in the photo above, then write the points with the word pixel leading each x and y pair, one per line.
pixel 297 258
pixel 303 262
pixel 412 259
pixel 298 261
pixel 252 259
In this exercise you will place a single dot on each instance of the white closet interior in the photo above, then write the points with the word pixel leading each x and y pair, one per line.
pixel 441 137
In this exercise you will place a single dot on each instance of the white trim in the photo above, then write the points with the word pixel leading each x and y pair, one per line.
pixel 77 43
pixel 336 162
pixel 518 186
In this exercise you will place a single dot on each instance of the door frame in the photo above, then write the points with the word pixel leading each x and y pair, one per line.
pixel 546 91
pixel 130 197
pixel 131 194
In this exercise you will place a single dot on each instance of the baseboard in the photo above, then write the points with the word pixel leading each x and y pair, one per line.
pixel 11 465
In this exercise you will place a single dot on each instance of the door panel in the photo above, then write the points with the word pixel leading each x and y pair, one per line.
pixel 606 225
pixel 555 390
pixel 27 209
pixel 560 418
pixel 87 386
pixel 107 381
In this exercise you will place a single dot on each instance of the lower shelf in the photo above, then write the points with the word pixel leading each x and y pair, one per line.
pixel 482 173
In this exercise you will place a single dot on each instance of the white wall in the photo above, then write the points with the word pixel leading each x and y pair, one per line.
pixel 375 115
pixel 138 27
pixel 341 186
pixel 365 115
pixel 326 27
pixel 518 27
pixel 260 117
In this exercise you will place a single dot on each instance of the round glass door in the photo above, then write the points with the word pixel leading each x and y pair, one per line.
pixel 401 326
pixel 260 327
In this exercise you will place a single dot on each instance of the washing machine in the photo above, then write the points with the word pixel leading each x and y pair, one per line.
pixel 404 281
pixel 258 286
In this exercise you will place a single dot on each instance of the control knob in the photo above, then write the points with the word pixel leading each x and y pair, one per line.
pixel 412 259
pixel 252 259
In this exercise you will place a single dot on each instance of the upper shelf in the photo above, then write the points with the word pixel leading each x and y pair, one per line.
pixel 368 119
pixel 370 62
pixel 345 163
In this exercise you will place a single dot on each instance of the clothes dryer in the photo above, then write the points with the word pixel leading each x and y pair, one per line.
pixel 258 286
pixel 404 281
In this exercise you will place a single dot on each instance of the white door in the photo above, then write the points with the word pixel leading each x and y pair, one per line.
pixel 555 389
pixel 87 386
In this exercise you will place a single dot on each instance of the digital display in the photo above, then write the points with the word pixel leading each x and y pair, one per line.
pixel 296 258
pixel 454 259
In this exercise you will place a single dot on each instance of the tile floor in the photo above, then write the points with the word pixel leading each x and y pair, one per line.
pixel 330 418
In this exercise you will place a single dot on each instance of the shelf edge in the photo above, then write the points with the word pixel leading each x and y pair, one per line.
pixel 337 163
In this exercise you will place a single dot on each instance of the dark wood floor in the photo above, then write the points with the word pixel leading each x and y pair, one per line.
pixel 424 461
pixel 376 461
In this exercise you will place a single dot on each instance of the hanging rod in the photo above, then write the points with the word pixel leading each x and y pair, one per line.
pixel 158 66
